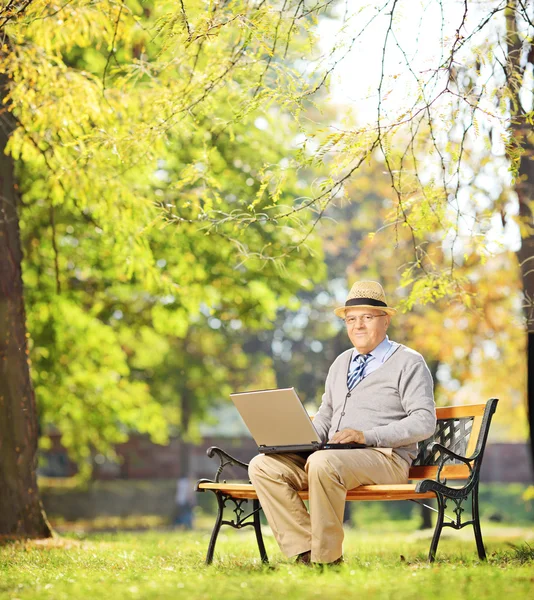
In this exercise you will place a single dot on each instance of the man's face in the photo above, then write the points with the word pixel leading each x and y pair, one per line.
pixel 365 333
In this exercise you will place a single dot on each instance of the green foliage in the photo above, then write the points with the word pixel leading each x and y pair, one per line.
pixel 151 145
pixel 82 379
pixel 506 503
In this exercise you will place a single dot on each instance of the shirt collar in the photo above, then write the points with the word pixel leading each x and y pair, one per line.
pixel 380 352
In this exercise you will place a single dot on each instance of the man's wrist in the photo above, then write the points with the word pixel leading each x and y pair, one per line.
pixel 370 437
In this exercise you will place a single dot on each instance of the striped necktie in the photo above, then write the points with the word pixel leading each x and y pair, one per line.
pixel 355 376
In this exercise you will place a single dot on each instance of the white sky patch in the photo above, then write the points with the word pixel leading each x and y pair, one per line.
pixel 418 35
pixel 419 40
pixel 261 123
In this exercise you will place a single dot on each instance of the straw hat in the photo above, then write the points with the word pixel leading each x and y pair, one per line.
pixel 366 294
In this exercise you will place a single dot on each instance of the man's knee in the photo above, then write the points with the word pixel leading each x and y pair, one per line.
pixel 319 463
pixel 257 465
pixel 328 465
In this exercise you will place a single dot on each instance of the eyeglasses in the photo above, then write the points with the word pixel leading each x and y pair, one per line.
pixel 366 319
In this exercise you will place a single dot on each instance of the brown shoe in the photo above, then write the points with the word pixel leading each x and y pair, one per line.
pixel 304 558
pixel 335 563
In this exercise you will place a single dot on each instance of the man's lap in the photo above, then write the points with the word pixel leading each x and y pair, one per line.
pixel 366 466
pixel 353 467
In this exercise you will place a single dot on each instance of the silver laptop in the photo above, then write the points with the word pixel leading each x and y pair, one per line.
pixel 279 422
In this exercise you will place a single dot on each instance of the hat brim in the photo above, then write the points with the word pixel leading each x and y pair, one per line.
pixel 341 310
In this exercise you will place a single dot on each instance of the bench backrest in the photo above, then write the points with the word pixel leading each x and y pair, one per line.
pixel 462 429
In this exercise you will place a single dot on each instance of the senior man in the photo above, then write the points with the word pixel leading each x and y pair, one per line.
pixel 378 393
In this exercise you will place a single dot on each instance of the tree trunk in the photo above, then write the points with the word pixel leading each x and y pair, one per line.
pixel 523 136
pixel 525 193
pixel 530 395
pixel 21 513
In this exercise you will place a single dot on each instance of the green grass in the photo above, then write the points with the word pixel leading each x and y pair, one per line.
pixel 163 565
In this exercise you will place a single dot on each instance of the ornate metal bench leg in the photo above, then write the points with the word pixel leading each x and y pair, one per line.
pixel 476 524
pixel 257 529
pixel 216 529
pixel 438 528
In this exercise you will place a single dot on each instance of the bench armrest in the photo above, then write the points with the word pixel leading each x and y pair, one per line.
pixel 446 454
pixel 450 454
pixel 225 459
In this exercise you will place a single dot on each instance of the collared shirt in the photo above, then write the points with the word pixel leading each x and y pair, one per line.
pixel 378 356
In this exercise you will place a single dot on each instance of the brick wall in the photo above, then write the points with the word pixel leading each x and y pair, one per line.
pixel 507 463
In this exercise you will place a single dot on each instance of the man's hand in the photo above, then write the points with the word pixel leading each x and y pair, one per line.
pixel 348 435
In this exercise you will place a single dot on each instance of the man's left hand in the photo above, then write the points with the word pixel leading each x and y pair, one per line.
pixel 348 435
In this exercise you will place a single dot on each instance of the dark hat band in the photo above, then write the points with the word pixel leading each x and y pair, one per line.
pixel 365 301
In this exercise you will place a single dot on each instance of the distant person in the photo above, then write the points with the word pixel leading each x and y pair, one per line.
pixel 184 503
pixel 379 393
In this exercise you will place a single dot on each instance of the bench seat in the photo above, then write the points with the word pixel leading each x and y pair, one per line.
pixel 365 492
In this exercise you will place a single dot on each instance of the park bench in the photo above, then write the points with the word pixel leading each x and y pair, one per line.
pixel 454 452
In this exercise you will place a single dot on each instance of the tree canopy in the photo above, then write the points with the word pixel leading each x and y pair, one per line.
pixel 148 146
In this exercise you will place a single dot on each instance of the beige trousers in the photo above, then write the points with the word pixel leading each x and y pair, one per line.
pixel 328 474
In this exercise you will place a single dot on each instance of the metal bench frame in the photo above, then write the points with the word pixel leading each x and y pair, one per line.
pixel 455 451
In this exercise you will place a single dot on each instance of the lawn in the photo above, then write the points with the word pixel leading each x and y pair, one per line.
pixel 169 564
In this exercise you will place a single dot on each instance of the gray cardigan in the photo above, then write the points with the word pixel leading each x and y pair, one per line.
pixel 393 406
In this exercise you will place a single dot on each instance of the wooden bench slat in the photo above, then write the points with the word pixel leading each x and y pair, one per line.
pixel 363 494
pixel 448 471
pixel 457 412
pixel 227 487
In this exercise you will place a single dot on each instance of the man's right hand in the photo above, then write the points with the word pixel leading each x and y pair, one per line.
pixel 345 436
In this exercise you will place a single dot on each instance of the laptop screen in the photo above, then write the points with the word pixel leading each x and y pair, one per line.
pixel 275 417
